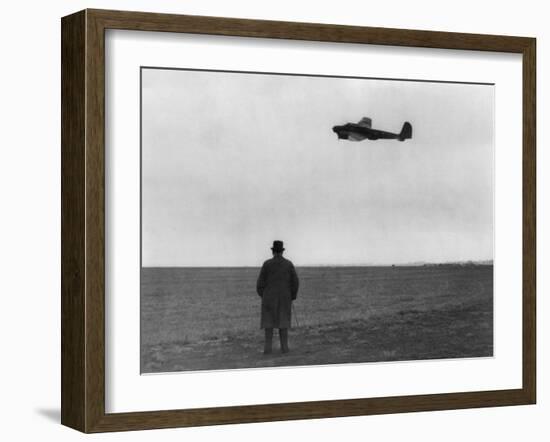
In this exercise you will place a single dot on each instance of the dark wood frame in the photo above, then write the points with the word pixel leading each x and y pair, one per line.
pixel 83 216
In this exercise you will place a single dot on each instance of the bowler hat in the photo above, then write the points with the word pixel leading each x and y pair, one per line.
pixel 277 246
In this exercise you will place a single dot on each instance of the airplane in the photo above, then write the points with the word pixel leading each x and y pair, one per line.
pixel 363 130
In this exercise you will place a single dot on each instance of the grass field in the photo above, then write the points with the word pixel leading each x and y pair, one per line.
pixel 208 318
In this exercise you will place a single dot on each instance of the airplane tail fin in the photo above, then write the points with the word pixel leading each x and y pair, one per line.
pixel 406 132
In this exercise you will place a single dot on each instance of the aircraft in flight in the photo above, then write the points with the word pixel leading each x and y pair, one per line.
pixel 363 130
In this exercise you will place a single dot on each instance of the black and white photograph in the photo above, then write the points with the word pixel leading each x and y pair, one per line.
pixel 251 221
pixel 303 220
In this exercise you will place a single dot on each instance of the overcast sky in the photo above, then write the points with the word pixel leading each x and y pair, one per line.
pixel 232 161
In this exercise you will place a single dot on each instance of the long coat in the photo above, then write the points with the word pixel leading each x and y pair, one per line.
pixel 277 286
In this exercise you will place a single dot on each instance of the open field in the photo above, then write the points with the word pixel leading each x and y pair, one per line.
pixel 208 318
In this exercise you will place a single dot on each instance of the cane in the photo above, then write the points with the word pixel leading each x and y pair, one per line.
pixel 295 315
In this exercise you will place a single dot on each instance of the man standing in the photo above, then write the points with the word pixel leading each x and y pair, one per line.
pixel 277 286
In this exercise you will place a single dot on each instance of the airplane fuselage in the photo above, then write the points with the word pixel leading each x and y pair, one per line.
pixel 356 132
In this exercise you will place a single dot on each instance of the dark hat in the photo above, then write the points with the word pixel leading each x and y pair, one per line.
pixel 277 246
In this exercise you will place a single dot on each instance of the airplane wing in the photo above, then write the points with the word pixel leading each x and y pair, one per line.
pixel 365 122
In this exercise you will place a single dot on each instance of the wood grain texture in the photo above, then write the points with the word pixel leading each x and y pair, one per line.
pixel 145 21
pixel 83 220
pixel 308 410
pixel 95 222
pixel 529 220
pixel 73 255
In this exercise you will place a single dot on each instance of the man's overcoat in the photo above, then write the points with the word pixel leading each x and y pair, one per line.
pixel 277 286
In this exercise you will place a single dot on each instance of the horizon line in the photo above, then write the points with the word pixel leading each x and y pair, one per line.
pixel 406 264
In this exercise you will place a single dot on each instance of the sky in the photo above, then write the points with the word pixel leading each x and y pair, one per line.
pixel 233 161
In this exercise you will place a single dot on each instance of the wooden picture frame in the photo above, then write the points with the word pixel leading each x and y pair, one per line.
pixel 83 220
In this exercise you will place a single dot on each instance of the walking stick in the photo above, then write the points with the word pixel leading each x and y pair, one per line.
pixel 295 315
